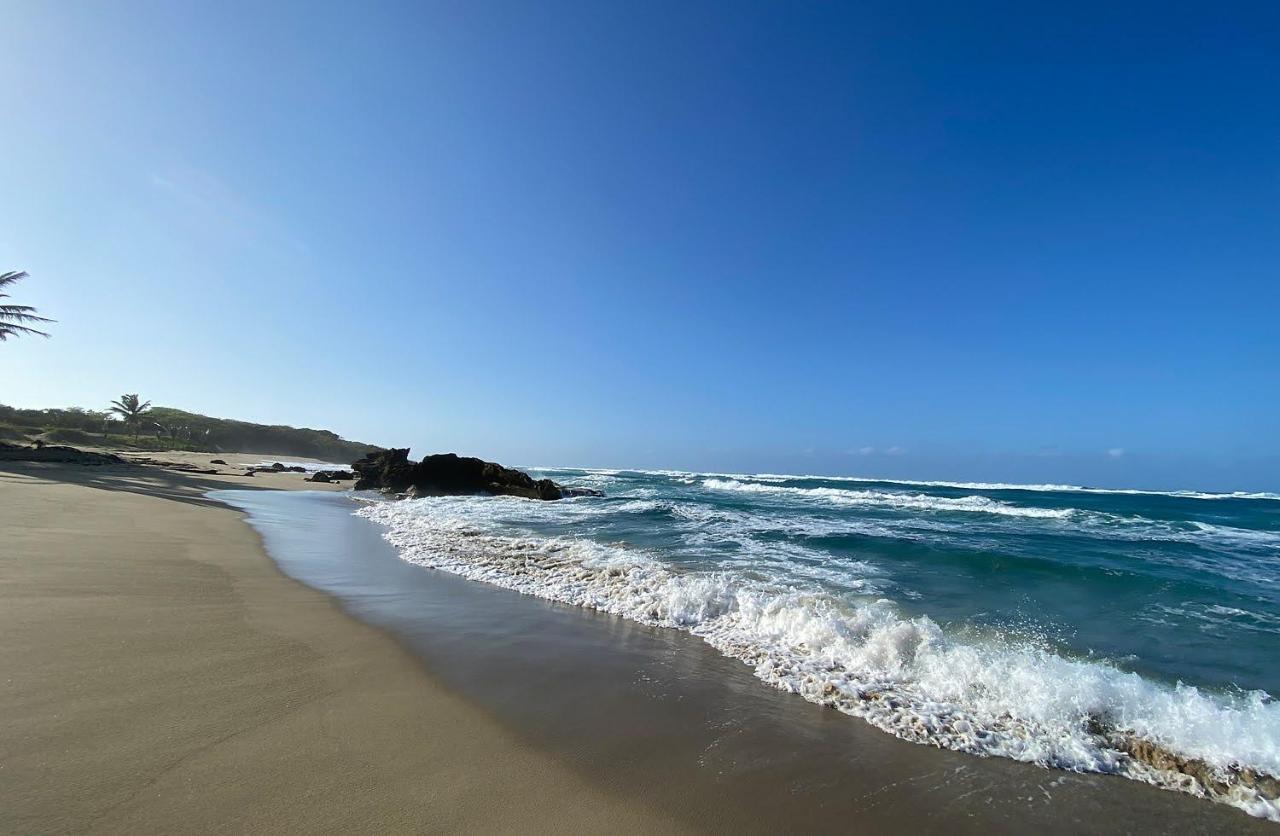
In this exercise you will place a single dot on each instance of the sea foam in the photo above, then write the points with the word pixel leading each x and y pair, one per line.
pixel 981 694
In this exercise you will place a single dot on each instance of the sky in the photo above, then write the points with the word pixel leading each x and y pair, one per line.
pixel 918 240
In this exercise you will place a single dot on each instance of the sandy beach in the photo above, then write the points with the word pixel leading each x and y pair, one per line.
pixel 161 675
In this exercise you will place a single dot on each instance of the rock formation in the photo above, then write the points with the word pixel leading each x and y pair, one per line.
pixel 331 476
pixel 56 453
pixel 447 474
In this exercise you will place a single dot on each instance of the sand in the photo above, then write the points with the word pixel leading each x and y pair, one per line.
pixel 161 675
pixel 158 673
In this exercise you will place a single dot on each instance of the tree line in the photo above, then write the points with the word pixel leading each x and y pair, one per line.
pixel 129 421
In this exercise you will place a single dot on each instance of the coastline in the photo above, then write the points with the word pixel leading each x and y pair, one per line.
pixel 187 682
pixel 657 712
pixel 162 675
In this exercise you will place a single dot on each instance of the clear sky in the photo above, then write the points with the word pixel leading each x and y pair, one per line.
pixel 937 240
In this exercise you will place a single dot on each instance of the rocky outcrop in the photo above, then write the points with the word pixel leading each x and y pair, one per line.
pixel 56 453
pixel 566 491
pixel 389 469
pixel 276 467
pixel 331 476
pixel 447 474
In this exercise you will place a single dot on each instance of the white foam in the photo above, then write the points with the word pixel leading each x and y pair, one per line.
pixel 986 696
pixel 972 486
pixel 915 502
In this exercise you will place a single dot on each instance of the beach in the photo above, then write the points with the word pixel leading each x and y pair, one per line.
pixel 161 675
pixel 166 672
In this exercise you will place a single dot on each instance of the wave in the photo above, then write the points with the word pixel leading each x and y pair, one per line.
pixel 971 486
pixel 1012 486
pixel 982 695
pixel 1087 523
pixel 917 502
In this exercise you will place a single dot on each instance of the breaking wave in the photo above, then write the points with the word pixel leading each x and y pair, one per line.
pixel 915 502
pixel 984 693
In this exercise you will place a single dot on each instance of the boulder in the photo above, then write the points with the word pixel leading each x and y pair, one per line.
pixel 216 461
pixel 319 476
pixel 568 492
pixel 384 469
pixel 448 474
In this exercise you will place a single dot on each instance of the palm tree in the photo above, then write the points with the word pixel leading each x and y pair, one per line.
pixel 130 410
pixel 12 316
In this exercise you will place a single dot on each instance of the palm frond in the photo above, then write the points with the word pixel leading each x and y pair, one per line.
pixel 8 329
pixel 12 315
pixel 20 313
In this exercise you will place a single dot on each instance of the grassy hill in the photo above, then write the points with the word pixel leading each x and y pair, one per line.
pixel 166 428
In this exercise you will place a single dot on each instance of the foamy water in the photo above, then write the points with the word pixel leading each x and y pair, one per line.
pixel 994 621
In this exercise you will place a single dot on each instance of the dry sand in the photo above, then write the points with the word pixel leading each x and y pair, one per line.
pixel 160 675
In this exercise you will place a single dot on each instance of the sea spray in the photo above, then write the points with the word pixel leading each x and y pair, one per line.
pixel 984 694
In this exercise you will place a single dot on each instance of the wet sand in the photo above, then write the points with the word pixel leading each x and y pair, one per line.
pixel 162 675
pixel 660 715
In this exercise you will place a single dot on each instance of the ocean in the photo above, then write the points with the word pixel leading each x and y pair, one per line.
pixel 1039 623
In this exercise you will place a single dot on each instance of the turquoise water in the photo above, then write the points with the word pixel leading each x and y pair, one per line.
pixel 994 619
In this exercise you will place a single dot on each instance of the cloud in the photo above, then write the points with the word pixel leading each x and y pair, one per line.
pixel 865 451
pixel 895 450
pixel 1115 452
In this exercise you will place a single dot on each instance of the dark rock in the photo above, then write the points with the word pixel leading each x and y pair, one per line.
pixel 567 492
pixel 384 468
pixel 331 476
pixel 278 468
pixel 216 461
pixel 58 454
pixel 447 474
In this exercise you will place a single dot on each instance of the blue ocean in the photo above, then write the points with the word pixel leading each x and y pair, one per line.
pixel 1023 621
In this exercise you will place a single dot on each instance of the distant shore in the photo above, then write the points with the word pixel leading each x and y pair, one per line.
pixel 161 675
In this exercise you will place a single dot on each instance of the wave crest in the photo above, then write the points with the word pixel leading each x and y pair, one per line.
pixel 904 675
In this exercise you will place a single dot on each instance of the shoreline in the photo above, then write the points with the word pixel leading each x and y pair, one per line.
pixel 163 675
pixel 317 710
pixel 633 706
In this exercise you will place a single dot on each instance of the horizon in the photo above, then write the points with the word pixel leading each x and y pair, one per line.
pixel 1018 246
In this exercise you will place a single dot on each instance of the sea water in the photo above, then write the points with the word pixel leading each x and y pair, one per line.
pixel 1007 620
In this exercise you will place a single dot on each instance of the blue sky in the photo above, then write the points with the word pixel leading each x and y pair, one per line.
pixel 981 241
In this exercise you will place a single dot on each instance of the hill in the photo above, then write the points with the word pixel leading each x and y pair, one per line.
pixel 168 428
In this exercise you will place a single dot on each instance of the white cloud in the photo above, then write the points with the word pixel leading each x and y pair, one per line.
pixel 866 451
pixel 1115 452
pixel 895 450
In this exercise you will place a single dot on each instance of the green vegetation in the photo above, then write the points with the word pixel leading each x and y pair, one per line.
pixel 130 409
pixel 13 317
pixel 165 428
